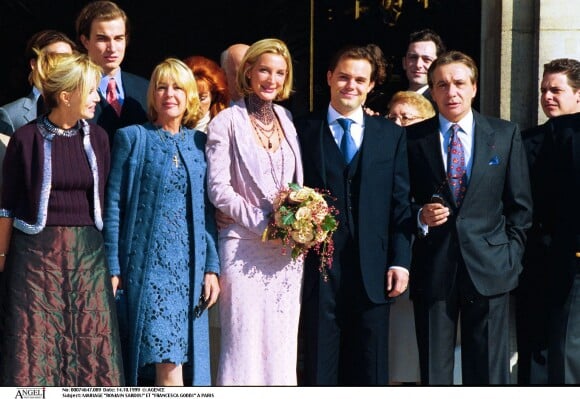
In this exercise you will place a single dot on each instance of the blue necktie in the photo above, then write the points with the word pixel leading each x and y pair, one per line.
pixel 456 172
pixel 347 145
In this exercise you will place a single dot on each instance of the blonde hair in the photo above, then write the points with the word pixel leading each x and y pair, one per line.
pixel 272 46
pixel 180 73
pixel 55 73
pixel 418 101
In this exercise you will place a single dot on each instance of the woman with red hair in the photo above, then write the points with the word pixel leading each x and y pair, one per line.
pixel 212 87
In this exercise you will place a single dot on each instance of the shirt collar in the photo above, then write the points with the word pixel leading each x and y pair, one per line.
pixel 105 82
pixel 466 124
pixel 357 116
pixel 422 90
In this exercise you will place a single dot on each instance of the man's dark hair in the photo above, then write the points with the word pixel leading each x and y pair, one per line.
pixel 428 35
pixel 371 52
pixel 454 57
pixel 45 38
pixel 567 66
pixel 100 10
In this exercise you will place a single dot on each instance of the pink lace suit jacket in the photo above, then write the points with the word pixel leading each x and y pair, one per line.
pixel 232 163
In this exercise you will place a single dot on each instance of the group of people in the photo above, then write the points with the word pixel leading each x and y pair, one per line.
pixel 131 207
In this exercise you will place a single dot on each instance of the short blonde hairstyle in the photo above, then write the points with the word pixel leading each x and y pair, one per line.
pixel 175 70
pixel 418 101
pixel 55 73
pixel 254 52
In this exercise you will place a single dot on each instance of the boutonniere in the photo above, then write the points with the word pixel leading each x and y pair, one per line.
pixel 494 160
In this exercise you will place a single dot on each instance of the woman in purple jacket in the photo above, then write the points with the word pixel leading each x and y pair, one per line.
pixel 252 153
pixel 60 325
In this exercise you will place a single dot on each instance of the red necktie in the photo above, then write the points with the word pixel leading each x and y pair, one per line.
pixel 456 166
pixel 112 96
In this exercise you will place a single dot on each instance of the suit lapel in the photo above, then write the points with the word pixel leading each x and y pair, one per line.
pixel 372 145
pixel 311 140
pixel 246 145
pixel 292 140
pixel 535 139
pixel 29 108
pixel 483 152
pixel 430 147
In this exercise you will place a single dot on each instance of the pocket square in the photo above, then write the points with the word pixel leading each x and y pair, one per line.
pixel 494 160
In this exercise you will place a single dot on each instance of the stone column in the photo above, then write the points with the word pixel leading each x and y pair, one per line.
pixel 509 61
pixel 558 36
pixel 518 38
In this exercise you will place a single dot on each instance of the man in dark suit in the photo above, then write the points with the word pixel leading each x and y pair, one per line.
pixel 102 28
pixel 345 319
pixel 560 95
pixel 472 204
pixel 560 213
pixel 424 47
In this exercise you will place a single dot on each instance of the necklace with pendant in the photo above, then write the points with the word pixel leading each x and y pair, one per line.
pixel 175 158
pixel 265 133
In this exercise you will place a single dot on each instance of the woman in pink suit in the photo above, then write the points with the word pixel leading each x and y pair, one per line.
pixel 252 153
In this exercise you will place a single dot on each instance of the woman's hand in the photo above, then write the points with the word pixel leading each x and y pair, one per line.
pixel 116 282
pixel 211 287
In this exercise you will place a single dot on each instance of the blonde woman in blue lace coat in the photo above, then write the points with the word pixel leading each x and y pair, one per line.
pixel 160 234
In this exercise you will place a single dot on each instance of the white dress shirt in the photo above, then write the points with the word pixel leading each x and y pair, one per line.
pixel 357 133
pixel 356 129
pixel 465 135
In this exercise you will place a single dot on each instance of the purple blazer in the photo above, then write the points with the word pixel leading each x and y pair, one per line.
pixel 232 162
pixel 27 174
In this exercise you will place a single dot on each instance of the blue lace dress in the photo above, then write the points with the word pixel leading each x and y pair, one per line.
pixel 166 299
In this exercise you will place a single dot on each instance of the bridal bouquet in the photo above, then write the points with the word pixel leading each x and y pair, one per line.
pixel 303 221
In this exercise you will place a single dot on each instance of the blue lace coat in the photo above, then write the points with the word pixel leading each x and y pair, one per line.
pixel 140 161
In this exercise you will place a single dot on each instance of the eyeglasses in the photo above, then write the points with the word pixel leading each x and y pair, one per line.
pixel 201 306
pixel 404 119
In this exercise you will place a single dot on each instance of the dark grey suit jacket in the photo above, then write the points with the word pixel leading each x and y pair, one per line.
pixel 489 230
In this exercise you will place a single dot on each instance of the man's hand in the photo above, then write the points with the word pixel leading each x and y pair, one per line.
pixel 370 112
pixel 397 282
pixel 222 220
pixel 434 214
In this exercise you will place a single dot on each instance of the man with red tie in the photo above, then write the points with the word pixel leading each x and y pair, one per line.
pixel 102 28
pixel 472 203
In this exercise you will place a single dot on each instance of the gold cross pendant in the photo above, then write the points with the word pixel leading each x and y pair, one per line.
pixel 176 160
